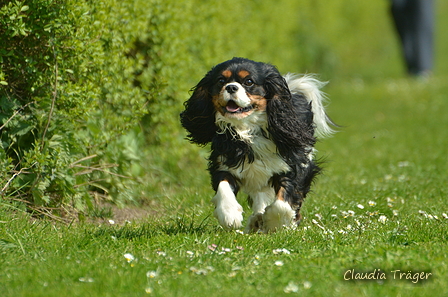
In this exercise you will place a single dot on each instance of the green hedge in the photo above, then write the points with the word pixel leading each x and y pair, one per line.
pixel 72 91
pixel 91 90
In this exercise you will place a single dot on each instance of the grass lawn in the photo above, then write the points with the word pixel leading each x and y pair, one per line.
pixel 378 211
pixel 379 207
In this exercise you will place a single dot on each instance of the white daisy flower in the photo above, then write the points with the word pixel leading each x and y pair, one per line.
pixel 307 285
pixel 281 251
pixel 278 263
pixel 382 219
pixel 86 279
pixel 291 288
pixel 151 274
pixel 129 257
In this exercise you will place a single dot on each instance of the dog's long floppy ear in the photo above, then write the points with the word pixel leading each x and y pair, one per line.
pixel 198 118
pixel 289 128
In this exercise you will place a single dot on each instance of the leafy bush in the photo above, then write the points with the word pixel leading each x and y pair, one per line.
pixel 67 96
pixel 90 91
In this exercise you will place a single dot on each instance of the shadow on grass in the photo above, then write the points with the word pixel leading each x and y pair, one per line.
pixel 172 226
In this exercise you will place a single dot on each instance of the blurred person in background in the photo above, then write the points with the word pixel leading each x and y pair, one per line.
pixel 414 22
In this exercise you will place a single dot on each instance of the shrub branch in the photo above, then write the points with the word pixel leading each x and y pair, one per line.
pixel 53 100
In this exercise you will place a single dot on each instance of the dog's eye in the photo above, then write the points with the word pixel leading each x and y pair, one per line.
pixel 249 82
pixel 221 81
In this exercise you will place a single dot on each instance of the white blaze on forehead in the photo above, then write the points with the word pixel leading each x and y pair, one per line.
pixel 240 97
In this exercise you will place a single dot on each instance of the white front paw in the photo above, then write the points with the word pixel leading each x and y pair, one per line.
pixel 227 210
pixel 230 216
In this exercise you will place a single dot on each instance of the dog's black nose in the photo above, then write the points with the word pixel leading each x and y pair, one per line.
pixel 232 88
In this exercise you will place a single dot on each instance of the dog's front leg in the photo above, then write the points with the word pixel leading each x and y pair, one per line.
pixel 227 209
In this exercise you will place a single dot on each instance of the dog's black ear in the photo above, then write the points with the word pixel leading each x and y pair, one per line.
pixel 198 118
pixel 286 125
pixel 276 86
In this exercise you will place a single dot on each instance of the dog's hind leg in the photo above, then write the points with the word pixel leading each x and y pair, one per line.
pixel 279 214
pixel 259 200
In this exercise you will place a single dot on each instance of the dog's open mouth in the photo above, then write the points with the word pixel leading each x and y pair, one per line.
pixel 232 107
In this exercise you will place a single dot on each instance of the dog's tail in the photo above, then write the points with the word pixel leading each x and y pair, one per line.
pixel 309 87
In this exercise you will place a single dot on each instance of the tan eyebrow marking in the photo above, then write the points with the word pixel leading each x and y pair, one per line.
pixel 227 73
pixel 243 73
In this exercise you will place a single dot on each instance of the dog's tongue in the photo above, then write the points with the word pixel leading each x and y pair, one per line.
pixel 232 106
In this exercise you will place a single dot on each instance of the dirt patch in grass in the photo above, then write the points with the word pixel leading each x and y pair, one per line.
pixel 108 213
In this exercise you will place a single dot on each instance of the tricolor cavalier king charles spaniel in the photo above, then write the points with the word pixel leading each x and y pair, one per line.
pixel 262 127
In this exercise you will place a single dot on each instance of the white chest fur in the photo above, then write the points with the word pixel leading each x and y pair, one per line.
pixel 255 175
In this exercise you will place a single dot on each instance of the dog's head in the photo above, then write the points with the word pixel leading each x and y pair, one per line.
pixel 237 90
pixel 240 87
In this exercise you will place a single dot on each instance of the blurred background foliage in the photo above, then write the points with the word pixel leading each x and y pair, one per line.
pixel 90 91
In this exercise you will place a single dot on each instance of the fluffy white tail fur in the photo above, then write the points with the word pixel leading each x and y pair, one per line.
pixel 309 86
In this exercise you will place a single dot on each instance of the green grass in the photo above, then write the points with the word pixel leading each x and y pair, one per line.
pixel 380 204
pixel 390 158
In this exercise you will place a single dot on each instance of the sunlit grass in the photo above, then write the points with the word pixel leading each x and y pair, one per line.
pixel 380 204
